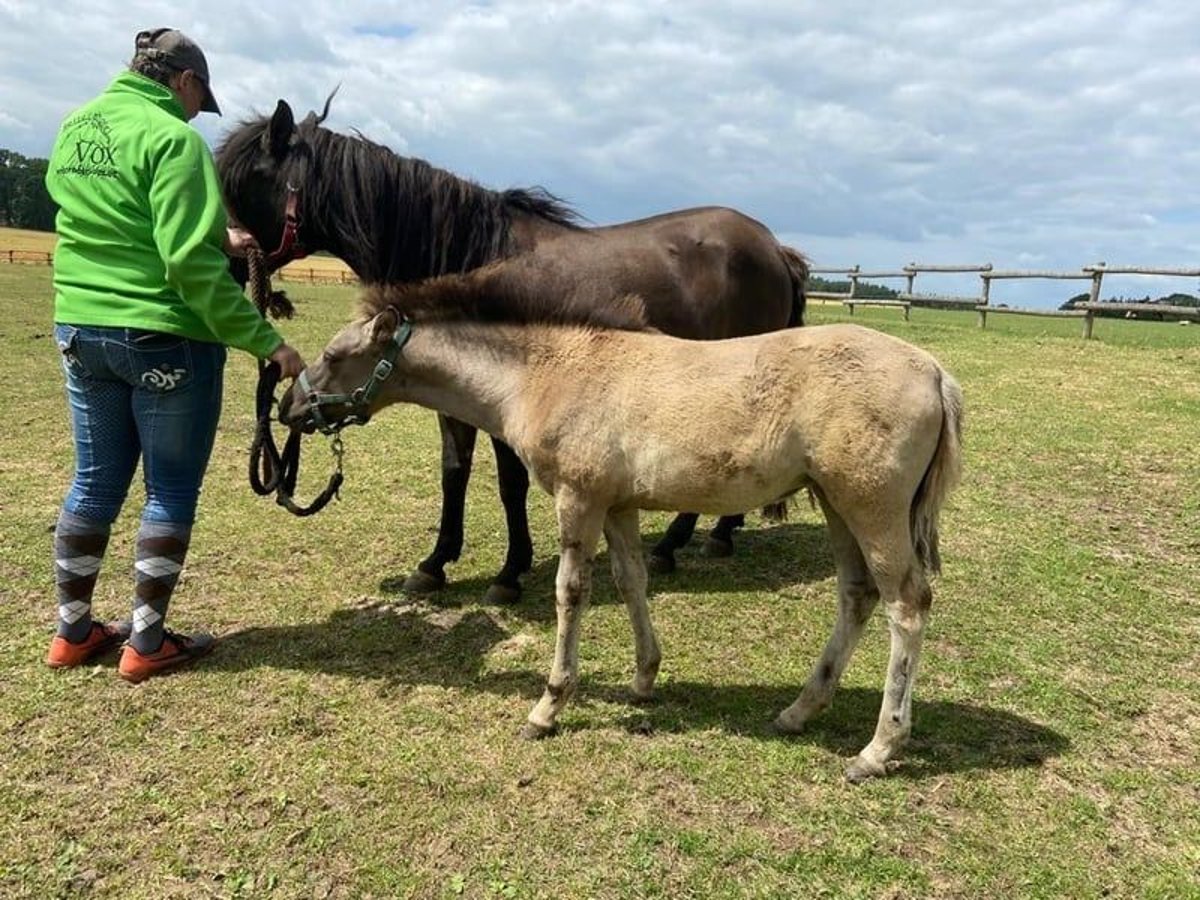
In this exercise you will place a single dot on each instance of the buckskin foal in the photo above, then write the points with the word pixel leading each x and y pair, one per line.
pixel 612 421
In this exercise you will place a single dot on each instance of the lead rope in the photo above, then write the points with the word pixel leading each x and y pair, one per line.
pixel 270 470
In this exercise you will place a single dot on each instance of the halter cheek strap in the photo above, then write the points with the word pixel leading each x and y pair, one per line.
pixel 290 248
pixel 359 400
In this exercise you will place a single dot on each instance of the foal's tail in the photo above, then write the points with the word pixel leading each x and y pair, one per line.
pixel 797 267
pixel 943 474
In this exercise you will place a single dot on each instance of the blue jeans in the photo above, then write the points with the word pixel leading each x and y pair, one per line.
pixel 134 395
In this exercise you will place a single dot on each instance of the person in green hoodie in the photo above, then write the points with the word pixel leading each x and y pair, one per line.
pixel 144 308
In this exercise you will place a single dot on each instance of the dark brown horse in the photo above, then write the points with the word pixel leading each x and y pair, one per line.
pixel 707 273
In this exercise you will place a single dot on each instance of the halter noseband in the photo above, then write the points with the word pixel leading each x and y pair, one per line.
pixel 290 248
pixel 359 400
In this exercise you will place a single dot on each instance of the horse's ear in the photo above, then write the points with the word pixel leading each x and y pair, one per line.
pixel 384 325
pixel 279 133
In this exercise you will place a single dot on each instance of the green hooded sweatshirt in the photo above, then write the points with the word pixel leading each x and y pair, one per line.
pixel 141 223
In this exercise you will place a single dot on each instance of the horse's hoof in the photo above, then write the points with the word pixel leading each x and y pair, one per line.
pixel 660 565
pixel 421 582
pixel 715 548
pixel 531 732
pixel 500 594
pixel 782 725
pixel 860 770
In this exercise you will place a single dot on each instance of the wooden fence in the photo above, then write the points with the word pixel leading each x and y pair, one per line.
pixel 316 276
pixel 1087 311
pixel 28 257
pixel 309 274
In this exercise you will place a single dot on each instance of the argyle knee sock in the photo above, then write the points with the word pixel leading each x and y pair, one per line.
pixel 79 546
pixel 161 549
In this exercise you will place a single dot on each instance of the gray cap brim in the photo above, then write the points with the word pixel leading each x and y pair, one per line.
pixel 210 102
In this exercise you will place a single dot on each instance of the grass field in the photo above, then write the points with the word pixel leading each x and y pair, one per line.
pixel 345 741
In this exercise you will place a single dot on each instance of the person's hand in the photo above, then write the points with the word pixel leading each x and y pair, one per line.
pixel 238 241
pixel 290 362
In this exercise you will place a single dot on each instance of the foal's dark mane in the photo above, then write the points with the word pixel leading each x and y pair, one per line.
pixel 392 218
pixel 507 292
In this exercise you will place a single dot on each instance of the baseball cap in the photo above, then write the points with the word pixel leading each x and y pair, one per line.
pixel 175 49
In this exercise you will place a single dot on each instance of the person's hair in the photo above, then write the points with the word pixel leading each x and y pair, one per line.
pixel 152 69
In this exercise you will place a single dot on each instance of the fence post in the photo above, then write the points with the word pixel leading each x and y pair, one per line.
pixel 1093 297
pixel 984 294
pixel 911 275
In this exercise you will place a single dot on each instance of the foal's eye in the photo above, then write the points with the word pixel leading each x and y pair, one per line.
pixel 330 358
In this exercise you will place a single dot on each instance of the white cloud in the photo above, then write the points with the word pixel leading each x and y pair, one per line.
pixel 1019 130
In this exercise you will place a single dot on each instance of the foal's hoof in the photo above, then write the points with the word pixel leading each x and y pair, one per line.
pixel 499 594
pixel 861 769
pixel 531 732
pixel 660 565
pixel 715 548
pixel 421 582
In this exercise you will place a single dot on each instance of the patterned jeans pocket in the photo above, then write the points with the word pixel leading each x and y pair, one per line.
pixel 162 362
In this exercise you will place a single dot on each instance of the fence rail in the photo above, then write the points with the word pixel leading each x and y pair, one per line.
pixel 28 257
pixel 308 274
pixel 982 304
pixel 316 276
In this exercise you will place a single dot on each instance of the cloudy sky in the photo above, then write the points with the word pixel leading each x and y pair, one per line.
pixel 1028 134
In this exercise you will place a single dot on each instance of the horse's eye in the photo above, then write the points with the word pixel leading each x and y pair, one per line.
pixel 330 358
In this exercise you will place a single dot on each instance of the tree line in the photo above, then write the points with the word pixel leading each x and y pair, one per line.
pixel 24 200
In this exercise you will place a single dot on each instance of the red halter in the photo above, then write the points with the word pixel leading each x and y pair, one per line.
pixel 289 247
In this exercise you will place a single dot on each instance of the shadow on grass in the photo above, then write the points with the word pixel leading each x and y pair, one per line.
pixel 765 559
pixel 419 644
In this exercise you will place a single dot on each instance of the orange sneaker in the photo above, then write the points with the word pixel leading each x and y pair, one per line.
pixel 176 650
pixel 103 637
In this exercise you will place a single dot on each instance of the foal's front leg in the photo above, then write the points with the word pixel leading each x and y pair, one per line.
pixel 579 526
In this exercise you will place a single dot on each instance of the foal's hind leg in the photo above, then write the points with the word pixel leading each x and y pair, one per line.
pixel 458 449
pixel 629 574
pixel 857 597
pixel 579 526
pixel 906 596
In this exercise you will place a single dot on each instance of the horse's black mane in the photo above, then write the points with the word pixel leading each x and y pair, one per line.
pixel 392 218
pixel 513 291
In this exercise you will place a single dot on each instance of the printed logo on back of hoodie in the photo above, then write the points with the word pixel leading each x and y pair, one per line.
pixel 93 152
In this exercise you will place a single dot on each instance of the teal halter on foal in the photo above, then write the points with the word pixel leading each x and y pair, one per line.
pixel 359 400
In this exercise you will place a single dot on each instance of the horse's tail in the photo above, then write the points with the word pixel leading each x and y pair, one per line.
pixel 943 474
pixel 797 267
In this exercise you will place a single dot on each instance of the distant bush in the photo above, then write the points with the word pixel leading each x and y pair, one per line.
pixel 24 200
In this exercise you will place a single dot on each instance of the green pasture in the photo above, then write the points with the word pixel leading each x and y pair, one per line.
pixel 347 741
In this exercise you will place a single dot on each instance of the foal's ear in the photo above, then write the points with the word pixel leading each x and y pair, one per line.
pixel 384 325
pixel 279 133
